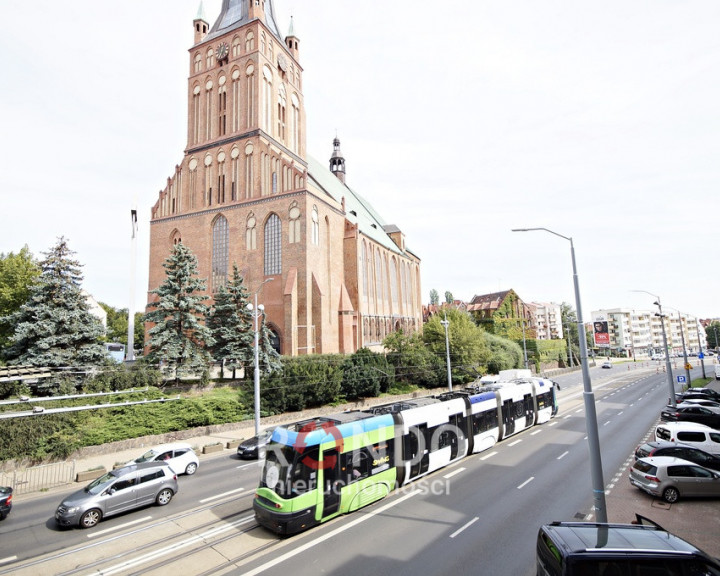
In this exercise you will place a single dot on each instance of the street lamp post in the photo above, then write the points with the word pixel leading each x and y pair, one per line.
pixel 700 348
pixel 668 366
pixel 256 311
pixel 685 356
pixel 596 473
pixel 446 323
pixel 524 346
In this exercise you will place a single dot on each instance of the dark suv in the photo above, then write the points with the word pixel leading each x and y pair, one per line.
pixel 689 453
pixel 594 549
pixel 6 493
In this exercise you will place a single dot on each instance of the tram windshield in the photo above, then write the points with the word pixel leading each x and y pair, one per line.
pixel 288 472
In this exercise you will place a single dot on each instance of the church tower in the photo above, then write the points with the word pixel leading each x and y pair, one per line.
pixel 330 276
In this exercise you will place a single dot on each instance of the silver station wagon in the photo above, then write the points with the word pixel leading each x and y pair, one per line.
pixel 118 491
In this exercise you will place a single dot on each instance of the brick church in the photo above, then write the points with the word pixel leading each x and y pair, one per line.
pixel 332 275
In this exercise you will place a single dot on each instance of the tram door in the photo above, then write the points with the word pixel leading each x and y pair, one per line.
pixel 332 484
pixel 508 418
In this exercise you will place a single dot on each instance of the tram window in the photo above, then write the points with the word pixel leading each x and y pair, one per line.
pixel 484 421
pixel 544 400
pixel 303 475
pixel 356 465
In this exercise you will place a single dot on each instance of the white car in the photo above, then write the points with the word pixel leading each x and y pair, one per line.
pixel 180 457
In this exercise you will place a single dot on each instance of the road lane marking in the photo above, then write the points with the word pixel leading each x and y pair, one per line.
pixel 526 482
pixel 516 442
pixel 119 527
pixel 321 539
pixel 220 495
pixel 451 474
pixel 8 559
pixel 563 455
pixel 459 530
pixel 488 455
pixel 535 432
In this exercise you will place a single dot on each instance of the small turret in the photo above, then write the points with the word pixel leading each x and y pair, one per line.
pixel 293 42
pixel 200 24
pixel 337 162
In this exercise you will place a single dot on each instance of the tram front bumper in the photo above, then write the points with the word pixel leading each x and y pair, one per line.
pixel 284 523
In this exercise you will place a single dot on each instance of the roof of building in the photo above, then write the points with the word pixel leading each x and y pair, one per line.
pixel 358 210
pixel 235 13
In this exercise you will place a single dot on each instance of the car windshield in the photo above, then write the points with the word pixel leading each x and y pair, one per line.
pixel 147 457
pixel 99 484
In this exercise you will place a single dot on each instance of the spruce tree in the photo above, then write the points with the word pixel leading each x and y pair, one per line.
pixel 179 338
pixel 268 358
pixel 55 327
pixel 231 325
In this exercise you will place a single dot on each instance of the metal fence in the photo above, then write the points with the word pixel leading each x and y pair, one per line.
pixel 38 478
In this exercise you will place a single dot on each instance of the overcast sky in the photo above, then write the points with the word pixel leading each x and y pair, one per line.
pixel 459 121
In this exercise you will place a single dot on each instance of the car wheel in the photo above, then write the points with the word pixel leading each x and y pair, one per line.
pixel 90 518
pixel 191 469
pixel 3 516
pixel 671 495
pixel 164 496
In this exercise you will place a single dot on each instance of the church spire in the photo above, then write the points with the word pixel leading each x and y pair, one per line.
pixel 337 162
pixel 292 41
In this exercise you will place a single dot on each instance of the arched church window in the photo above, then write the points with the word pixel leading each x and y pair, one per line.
pixel 393 285
pixel 197 63
pixel 295 124
pixel 219 252
pixel 250 99
pixel 315 226
pixel 209 58
pixel 294 227
pixel 249 42
pixel 236 47
pixel 281 113
pixel 273 245
pixel 250 232
pixel 267 99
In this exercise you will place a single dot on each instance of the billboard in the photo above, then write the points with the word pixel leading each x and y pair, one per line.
pixel 601 334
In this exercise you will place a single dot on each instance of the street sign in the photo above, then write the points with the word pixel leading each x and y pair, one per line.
pixel 688 366
pixel 681 379
pixel 701 355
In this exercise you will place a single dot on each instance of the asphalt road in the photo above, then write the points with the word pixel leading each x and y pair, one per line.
pixel 478 516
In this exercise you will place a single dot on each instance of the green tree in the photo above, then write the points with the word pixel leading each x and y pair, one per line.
pixel 504 354
pixel 434 297
pixel 413 361
pixel 18 273
pixel 117 325
pixel 55 327
pixel 230 323
pixel 712 333
pixel 570 330
pixel 268 357
pixel 469 352
pixel 178 338
pixel 449 297
pixel 366 374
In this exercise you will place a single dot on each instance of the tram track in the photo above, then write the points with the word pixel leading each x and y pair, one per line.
pixel 58 562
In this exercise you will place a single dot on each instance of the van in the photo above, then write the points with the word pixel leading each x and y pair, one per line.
pixel 717 371
pixel 599 549
pixel 691 434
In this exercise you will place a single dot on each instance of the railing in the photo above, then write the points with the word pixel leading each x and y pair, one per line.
pixel 38 478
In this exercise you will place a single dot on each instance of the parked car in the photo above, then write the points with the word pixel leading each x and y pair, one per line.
pixel 6 493
pixel 702 393
pixel 702 402
pixel 689 453
pixel 118 491
pixel 606 365
pixel 670 478
pixel 690 434
pixel 254 447
pixel 692 413
pixel 643 547
pixel 180 456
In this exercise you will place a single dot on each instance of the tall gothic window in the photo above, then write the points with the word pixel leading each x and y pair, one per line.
pixel 281 113
pixel 250 99
pixel 249 175
pixel 236 47
pixel 364 271
pixel 208 110
pixel 219 253
pixel 315 226
pixel 273 245
pixel 249 42
pixel 294 227
pixel 236 101
pixel 267 100
pixel 251 233
pixel 195 131
pixel 295 124
pixel 197 63
pixel 209 59
pixel 393 285
pixel 222 107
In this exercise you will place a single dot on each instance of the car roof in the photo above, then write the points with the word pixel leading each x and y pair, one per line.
pixel 138 466
pixel 667 461
pixel 579 537
pixel 686 425
pixel 169 446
